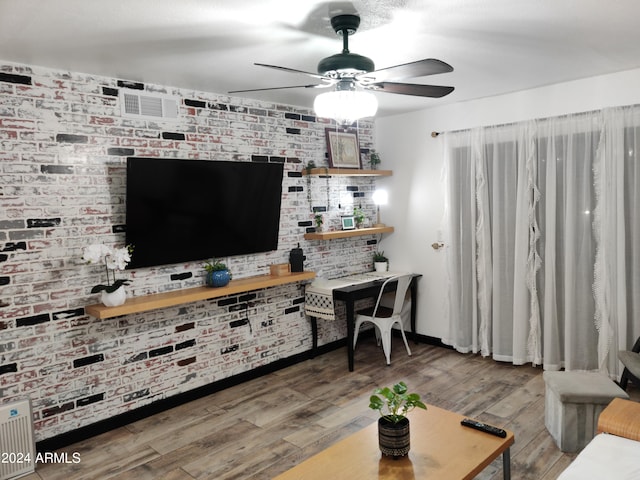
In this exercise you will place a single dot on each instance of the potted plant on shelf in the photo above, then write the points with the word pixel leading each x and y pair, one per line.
pixel 393 425
pixel 112 294
pixel 358 216
pixel 374 159
pixel 319 221
pixel 380 262
pixel 218 275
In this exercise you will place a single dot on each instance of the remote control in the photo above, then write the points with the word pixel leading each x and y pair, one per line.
pixel 483 427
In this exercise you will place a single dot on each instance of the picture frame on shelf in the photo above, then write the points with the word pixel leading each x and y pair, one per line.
pixel 343 148
pixel 348 222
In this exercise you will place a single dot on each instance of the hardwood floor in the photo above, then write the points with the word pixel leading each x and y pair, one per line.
pixel 265 426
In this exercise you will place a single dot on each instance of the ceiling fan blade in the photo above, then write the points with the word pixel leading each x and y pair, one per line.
pixel 291 70
pixel 420 68
pixel 320 85
pixel 434 91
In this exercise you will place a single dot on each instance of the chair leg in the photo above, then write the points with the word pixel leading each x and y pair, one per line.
pixel 404 339
pixel 385 333
pixel 378 335
pixel 624 379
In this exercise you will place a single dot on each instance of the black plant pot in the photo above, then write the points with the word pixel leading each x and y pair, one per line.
pixel 394 438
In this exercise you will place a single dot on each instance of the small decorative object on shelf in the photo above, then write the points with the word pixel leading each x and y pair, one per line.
pixel 393 425
pixel 318 218
pixel 374 159
pixel 380 262
pixel 358 216
pixel 310 166
pixel 218 275
pixel 348 222
pixel 278 269
pixel 113 294
pixel 296 259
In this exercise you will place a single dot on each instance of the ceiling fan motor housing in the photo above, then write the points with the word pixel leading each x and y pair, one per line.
pixel 345 61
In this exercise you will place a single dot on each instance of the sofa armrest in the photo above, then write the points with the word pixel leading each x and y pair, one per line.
pixel 622 418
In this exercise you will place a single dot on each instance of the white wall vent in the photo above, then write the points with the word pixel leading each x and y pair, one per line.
pixel 135 103
pixel 17 445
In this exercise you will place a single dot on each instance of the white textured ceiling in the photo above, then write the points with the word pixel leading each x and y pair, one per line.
pixel 495 46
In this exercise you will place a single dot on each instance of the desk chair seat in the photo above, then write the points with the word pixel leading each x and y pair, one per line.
pixel 631 362
pixel 384 318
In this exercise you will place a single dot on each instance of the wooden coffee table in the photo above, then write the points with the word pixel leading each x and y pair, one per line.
pixel 440 448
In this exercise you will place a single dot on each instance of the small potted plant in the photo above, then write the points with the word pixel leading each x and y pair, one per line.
pixel 380 262
pixel 319 221
pixel 358 216
pixel 218 275
pixel 393 425
pixel 374 159
pixel 113 293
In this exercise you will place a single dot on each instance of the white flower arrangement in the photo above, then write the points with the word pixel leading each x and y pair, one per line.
pixel 113 259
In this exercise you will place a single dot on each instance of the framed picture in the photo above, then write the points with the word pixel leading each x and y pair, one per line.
pixel 343 148
pixel 348 222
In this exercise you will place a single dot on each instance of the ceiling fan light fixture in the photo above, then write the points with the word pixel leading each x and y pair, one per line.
pixel 345 106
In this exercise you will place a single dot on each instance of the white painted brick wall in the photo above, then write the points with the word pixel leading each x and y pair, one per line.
pixel 63 149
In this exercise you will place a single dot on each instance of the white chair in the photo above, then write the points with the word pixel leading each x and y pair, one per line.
pixel 384 318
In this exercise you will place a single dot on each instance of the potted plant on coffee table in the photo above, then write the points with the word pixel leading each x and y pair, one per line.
pixel 218 275
pixel 393 425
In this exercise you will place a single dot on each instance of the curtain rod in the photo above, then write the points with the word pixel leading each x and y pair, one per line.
pixel 435 134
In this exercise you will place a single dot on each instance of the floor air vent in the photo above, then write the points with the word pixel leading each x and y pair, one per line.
pixel 147 105
pixel 17 445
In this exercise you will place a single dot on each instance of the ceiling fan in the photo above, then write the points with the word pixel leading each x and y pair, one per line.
pixel 348 71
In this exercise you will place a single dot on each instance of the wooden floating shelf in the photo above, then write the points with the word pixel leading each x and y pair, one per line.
pixel 348 172
pixel 346 233
pixel 178 297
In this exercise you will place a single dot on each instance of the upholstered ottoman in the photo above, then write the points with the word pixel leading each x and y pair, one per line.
pixel 573 402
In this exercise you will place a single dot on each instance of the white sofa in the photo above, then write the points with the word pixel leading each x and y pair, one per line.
pixel 614 453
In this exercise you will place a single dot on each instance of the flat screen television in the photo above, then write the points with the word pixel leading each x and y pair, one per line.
pixel 186 210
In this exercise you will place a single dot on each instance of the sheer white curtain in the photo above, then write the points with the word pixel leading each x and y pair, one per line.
pixel 617 230
pixel 538 217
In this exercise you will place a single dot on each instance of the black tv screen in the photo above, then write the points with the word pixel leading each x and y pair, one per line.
pixel 187 210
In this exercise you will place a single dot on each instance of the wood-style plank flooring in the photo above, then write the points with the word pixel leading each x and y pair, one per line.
pixel 265 426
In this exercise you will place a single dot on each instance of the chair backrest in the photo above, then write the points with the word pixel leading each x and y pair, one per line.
pixel 401 291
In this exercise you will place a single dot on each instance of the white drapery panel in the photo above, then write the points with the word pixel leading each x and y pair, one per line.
pixel 544 239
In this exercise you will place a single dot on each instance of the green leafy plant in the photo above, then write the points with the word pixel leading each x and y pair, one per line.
pixel 214 266
pixel 379 257
pixel 310 166
pixel 374 159
pixel 319 219
pixel 358 215
pixel 394 403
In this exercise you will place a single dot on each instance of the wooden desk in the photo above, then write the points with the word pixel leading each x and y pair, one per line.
pixel 441 449
pixel 350 294
pixel 371 290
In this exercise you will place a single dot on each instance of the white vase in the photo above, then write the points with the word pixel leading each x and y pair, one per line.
pixel 381 266
pixel 113 299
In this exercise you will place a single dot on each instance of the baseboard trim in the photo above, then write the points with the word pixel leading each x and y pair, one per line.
pixel 435 341
pixel 88 431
